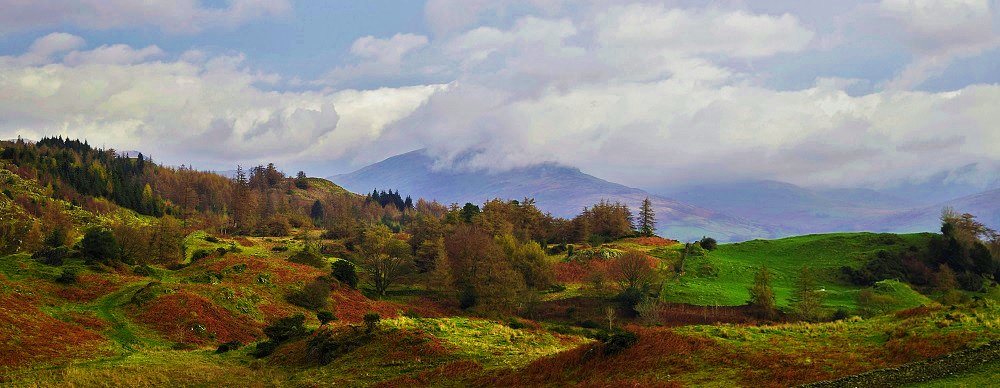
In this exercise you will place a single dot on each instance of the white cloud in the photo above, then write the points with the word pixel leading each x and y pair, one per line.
pixel 204 111
pixel 176 16
pixel 378 57
pixel 937 32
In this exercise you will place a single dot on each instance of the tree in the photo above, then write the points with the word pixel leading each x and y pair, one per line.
pixel 316 212
pixel 632 270
pixel 708 243
pixel 301 181
pixel 808 300
pixel 99 245
pixel 384 257
pixel 647 218
pixel 469 211
pixel 762 295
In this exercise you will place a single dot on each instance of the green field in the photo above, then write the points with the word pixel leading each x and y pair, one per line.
pixel 736 264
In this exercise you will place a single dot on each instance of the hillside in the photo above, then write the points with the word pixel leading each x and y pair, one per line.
pixel 734 265
pixel 562 191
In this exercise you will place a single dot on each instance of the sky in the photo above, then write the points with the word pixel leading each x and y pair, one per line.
pixel 645 93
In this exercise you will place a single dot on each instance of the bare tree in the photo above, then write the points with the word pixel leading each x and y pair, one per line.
pixel 632 270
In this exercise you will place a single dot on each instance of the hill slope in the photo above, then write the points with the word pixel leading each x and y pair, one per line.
pixel 562 191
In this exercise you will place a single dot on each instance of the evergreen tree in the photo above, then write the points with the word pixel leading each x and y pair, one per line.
pixel 317 211
pixel 647 218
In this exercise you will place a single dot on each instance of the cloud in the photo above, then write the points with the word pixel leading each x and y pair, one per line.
pixel 175 16
pixel 378 57
pixel 938 32
pixel 207 110
pixel 654 95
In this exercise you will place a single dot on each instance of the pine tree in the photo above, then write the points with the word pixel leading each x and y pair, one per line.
pixel 647 218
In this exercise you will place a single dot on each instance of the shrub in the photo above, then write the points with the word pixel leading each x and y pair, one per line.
pixel 264 349
pixel 51 256
pixel 150 291
pixel 212 239
pixel 280 248
pixel 229 346
pixel 68 276
pixel 629 298
pixel 143 270
pixel 345 273
pixel 708 244
pixel 840 314
pixel 324 347
pixel 516 325
pixel 308 257
pixel 199 254
pixel 371 321
pixel 286 328
pixel 313 296
pixel 221 251
pixel 325 317
pixel 617 341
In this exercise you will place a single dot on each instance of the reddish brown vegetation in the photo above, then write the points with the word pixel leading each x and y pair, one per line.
pixel 28 336
pixel 189 318
pixel 87 288
pixel 442 375
pixel 654 241
pixel 919 311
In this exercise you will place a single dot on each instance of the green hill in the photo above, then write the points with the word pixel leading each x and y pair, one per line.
pixel 721 277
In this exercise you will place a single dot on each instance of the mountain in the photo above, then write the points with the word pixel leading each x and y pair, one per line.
pixel 560 190
pixel 795 210
pixel 985 206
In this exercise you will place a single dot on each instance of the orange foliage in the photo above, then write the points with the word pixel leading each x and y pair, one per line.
pixel 189 318
pixel 29 336
pixel 654 241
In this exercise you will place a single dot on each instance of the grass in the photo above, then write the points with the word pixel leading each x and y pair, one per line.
pixel 737 264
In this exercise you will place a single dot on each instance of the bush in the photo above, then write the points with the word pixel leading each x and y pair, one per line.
pixel 143 270
pixel 371 321
pixel 286 328
pixel 212 239
pixel 324 347
pixel 229 346
pixel 629 298
pixel 280 248
pixel 708 244
pixel 221 251
pixel 516 325
pixel 840 314
pixel 264 349
pixel 313 296
pixel 68 276
pixel 308 257
pixel 51 256
pixel 199 254
pixel 345 272
pixel 325 317
pixel 617 341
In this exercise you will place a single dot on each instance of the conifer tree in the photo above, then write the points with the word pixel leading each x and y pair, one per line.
pixel 647 218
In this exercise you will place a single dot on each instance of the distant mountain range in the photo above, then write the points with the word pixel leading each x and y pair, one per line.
pixel 729 212
pixel 560 190
pixel 793 210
